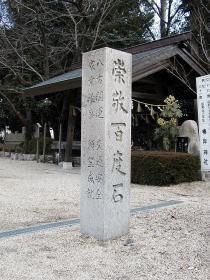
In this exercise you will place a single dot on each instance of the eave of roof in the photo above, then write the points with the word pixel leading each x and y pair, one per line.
pixel 72 79
pixel 58 80
pixel 159 43
pixel 147 59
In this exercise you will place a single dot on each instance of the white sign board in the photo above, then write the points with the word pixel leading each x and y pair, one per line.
pixel 203 100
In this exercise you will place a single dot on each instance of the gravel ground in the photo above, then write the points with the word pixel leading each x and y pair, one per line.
pixel 167 243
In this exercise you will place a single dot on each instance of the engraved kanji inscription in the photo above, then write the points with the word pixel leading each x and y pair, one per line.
pixel 119 71
pixel 94 64
pixel 95 80
pixel 117 160
pixel 95 97
pixel 94 193
pixel 118 131
pixel 205 161
pixel 95 144
pixel 118 101
pixel 117 195
pixel 90 161
pixel 91 178
pixel 204 141
pixel 205 152
pixel 99 178
pixel 95 161
pixel 95 113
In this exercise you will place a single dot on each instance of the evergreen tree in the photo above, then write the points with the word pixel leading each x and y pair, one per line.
pixel 40 39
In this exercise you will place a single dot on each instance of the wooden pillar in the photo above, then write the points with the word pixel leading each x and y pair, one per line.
pixel 60 140
pixel 44 141
pixel 70 135
pixel 195 110
pixel 37 144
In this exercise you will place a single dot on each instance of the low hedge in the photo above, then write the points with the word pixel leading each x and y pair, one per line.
pixel 164 168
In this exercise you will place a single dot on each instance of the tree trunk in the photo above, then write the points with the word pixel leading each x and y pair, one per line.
pixel 163 8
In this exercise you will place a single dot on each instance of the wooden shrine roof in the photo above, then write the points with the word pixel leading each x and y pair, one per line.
pixel 147 59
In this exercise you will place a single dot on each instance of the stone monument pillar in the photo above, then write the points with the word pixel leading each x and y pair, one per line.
pixel 105 143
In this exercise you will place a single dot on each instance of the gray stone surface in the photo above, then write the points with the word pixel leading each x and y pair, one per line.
pixel 14 156
pixel 26 157
pixel 205 175
pixel 189 129
pixel 20 157
pixel 106 142
pixel 29 157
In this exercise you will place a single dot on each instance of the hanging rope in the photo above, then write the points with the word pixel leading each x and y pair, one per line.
pixel 150 107
pixel 148 104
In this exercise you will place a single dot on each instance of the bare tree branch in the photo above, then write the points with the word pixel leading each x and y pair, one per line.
pixel 12 106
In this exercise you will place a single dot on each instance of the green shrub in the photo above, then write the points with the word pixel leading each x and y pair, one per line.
pixel 164 168
pixel 32 144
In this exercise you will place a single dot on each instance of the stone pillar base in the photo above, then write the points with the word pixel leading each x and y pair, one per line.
pixel 205 175
pixel 67 165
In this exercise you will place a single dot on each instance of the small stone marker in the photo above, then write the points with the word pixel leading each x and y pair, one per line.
pixel 189 130
pixel 203 100
pixel 105 143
